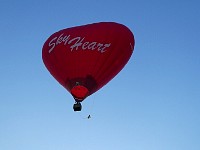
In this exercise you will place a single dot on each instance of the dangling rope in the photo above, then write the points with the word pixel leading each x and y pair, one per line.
pixel 91 109
pixel 83 116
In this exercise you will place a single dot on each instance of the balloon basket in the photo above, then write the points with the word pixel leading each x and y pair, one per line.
pixel 77 106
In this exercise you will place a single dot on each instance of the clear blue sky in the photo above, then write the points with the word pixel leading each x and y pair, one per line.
pixel 153 104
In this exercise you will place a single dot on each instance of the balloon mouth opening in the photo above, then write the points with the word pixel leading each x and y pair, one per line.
pixel 79 93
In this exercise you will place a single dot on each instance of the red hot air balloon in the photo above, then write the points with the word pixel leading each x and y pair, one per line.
pixel 85 58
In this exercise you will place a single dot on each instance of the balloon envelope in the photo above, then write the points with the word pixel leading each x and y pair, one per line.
pixel 84 58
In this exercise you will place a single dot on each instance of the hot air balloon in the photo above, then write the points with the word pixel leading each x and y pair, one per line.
pixel 85 58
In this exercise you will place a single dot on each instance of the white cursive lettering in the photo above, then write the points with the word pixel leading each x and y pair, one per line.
pixel 77 43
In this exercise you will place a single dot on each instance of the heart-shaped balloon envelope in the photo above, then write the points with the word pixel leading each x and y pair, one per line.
pixel 84 58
